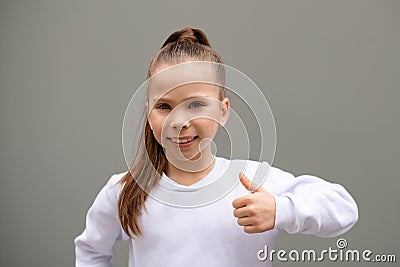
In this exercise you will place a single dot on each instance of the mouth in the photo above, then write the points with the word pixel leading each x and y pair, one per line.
pixel 183 140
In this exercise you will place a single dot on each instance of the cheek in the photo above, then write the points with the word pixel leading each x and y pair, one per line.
pixel 156 123
pixel 208 127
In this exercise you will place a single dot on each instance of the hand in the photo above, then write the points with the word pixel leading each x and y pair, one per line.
pixel 256 212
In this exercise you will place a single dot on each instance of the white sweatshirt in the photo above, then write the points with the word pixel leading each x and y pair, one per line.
pixel 209 235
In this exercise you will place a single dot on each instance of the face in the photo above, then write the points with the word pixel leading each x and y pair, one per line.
pixel 184 120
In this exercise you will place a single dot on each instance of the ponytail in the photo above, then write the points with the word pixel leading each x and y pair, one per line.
pixel 188 34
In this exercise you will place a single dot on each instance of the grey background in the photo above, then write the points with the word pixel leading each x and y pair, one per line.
pixel 330 70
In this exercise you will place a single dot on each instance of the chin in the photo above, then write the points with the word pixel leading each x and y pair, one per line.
pixel 185 156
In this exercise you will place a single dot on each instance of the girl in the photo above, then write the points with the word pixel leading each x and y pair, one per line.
pixel 175 152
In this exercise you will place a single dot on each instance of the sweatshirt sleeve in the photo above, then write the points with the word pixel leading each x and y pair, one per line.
pixel 311 205
pixel 94 247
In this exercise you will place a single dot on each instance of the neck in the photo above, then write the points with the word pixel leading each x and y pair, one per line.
pixel 189 172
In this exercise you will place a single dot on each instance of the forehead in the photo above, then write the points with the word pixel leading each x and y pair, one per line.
pixel 183 78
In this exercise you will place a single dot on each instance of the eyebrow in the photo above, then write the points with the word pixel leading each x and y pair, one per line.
pixel 166 99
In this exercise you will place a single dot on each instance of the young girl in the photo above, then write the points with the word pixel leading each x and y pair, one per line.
pixel 175 156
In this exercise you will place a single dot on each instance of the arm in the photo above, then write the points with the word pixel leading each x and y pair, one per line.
pixel 310 205
pixel 94 247
pixel 306 204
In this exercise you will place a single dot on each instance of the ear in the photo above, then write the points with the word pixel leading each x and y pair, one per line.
pixel 225 108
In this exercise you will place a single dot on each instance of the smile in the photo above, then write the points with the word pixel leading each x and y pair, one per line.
pixel 183 140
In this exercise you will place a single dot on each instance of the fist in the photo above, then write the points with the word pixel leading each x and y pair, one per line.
pixel 256 211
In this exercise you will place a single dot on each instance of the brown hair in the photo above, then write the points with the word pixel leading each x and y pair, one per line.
pixel 182 46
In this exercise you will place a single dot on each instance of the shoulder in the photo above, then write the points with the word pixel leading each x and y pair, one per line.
pixel 260 172
pixel 115 179
pixel 247 163
pixel 253 165
pixel 247 166
pixel 106 200
pixel 254 170
pixel 114 186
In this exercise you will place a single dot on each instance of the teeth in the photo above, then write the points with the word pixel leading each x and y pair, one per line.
pixel 181 141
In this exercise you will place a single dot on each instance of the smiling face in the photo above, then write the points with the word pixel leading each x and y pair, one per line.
pixel 184 120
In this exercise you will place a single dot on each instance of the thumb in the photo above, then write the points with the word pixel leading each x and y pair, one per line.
pixel 250 186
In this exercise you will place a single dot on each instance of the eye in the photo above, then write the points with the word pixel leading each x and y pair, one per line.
pixel 163 106
pixel 196 104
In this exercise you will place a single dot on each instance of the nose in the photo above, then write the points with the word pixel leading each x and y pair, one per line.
pixel 179 122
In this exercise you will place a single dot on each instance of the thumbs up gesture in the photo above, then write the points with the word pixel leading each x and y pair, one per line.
pixel 256 211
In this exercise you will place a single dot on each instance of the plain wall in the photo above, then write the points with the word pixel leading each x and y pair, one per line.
pixel 329 69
